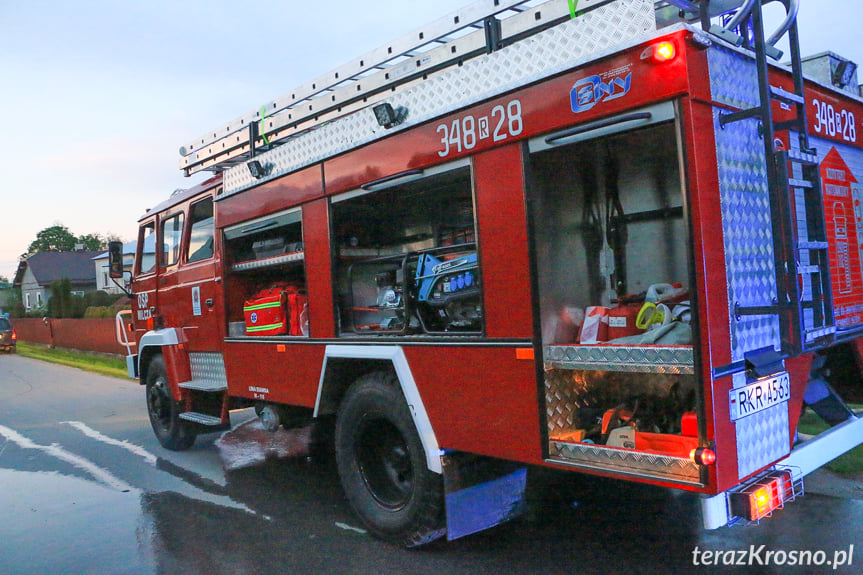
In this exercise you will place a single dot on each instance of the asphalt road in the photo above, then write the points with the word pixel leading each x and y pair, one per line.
pixel 86 488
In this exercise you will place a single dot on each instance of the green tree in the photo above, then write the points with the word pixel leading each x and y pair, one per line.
pixel 56 238
pixel 17 307
pixel 63 303
pixel 93 242
pixel 61 298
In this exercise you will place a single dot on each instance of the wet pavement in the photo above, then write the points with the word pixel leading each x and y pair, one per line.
pixel 85 488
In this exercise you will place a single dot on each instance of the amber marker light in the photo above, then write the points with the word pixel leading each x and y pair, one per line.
pixel 761 501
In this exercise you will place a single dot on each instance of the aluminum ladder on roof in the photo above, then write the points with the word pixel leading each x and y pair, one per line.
pixel 477 29
pixel 464 34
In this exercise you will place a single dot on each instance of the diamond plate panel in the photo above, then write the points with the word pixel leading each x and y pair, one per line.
pixel 208 367
pixel 575 42
pixel 748 233
pixel 733 78
pixel 762 438
pixel 628 462
pixel 561 400
pixel 646 359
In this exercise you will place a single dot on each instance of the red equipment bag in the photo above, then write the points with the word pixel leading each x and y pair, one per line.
pixel 298 313
pixel 277 310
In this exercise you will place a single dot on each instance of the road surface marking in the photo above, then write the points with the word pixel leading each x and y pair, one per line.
pixel 54 450
pixel 347 527
pixel 98 436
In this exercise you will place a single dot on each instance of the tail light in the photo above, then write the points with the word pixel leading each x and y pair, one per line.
pixel 759 498
pixel 14 335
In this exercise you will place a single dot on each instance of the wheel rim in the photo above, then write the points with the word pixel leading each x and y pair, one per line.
pixel 384 462
pixel 159 403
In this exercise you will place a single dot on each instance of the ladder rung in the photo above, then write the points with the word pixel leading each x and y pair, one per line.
pixel 813 334
pixel 739 115
pixel 808 270
pixel 796 183
pixel 684 5
pixel 812 245
pixel 798 156
pixel 793 124
pixel 778 93
pixel 774 309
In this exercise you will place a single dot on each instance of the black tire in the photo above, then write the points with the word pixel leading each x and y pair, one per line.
pixel 164 411
pixel 382 464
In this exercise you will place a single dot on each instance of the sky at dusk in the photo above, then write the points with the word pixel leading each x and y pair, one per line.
pixel 97 96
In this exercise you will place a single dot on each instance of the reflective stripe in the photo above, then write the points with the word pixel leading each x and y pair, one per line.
pixel 262 306
pixel 265 327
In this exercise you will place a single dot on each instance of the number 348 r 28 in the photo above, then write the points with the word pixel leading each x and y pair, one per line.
pixel 464 133
pixel 835 123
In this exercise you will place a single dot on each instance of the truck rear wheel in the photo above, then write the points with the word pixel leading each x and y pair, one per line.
pixel 382 464
pixel 171 431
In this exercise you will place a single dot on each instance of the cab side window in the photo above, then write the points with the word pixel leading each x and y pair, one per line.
pixel 172 235
pixel 202 232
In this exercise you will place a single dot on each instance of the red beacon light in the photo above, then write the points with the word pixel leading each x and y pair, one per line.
pixel 660 53
pixel 703 456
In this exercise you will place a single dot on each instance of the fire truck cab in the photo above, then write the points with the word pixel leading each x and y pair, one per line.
pixel 613 239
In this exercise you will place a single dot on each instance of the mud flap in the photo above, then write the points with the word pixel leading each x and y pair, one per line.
pixel 481 492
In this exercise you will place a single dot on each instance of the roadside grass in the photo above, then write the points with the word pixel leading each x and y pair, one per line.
pixel 102 365
pixel 850 463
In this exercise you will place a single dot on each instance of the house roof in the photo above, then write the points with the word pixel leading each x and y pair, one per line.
pixel 51 266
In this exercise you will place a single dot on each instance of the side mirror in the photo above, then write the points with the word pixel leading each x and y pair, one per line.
pixel 115 260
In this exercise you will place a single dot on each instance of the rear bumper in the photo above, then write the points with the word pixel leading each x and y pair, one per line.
pixel 827 446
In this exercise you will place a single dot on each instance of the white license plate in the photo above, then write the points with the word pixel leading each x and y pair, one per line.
pixel 759 395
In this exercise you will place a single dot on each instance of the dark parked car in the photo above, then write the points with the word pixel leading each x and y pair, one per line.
pixel 7 336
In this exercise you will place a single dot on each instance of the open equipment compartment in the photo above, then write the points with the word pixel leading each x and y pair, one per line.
pixel 409 265
pixel 611 257
pixel 265 258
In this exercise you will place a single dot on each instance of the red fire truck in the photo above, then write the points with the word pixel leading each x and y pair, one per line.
pixel 611 236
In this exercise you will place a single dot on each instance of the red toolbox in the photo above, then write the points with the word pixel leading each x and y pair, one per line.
pixel 278 310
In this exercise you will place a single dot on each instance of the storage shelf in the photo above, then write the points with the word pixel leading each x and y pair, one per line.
pixel 269 262
pixel 641 359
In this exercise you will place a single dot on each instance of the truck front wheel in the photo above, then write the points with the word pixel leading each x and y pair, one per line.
pixel 171 431
pixel 382 464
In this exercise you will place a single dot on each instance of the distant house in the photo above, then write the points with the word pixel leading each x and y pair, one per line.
pixel 36 273
pixel 104 282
